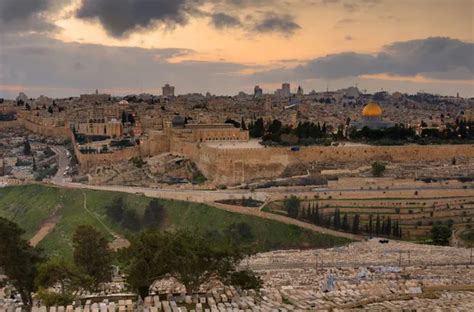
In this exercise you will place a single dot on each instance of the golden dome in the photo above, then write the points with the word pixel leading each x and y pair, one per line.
pixel 372 110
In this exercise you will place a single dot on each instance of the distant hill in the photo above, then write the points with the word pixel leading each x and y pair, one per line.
pixel 58 211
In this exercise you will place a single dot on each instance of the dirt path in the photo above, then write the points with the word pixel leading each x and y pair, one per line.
pixel 208 197
pixel 44 230
pixel 286 220
pixel 118 242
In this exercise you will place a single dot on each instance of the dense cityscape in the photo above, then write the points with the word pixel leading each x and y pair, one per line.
pixel 221 155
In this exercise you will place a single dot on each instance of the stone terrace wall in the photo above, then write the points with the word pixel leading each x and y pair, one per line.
pixel 9 124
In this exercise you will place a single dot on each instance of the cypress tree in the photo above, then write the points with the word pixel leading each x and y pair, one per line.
pixel 377 225
pixel 244 127
pixel 371 229
pixel 329 221
pixel 337 219
pixel 395 229
pixel 317 217
pixel 355 224
pixel 388 227
pixel 345 223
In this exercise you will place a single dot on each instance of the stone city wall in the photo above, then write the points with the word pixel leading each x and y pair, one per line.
pixel 230 166
pixel 154 145
pixel 233 166
pixel 56 132
pixel 49 131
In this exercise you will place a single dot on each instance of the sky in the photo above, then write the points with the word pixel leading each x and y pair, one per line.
pixel 64 48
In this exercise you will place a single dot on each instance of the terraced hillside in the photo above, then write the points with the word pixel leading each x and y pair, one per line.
pixel 50 215
pixel 415 215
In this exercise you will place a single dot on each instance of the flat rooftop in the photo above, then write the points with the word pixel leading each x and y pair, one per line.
pixel 210 126
pixel 234 144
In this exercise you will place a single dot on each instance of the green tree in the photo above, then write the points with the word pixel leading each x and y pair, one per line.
pixel 92 256
pixel 190 257
pixel 154 214
pixel 18 259
pixel 57 271
pixel 345 223
pixel 378 169
pixel 371 228
pixel 337 219
pixel 316 216
pixel 388 226
pixel 242 123
pixel 292 206
pixel 131 220
pixel 27 148
pixel 440 234
pixel 245 280
pixel 355 224
pixel 377 225
pixel 116 209
pixel 239 233
pixel 258 129
pixel 395 229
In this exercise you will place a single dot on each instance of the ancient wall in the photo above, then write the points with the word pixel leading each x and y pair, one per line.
pixel 233 166
pixel 229 166
pixel 153 145
pixel 56 132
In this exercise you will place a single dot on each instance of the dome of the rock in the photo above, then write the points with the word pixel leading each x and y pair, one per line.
pixel 372 110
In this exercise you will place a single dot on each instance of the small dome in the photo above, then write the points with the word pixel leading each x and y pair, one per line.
pixel 123 102
pixel 372 110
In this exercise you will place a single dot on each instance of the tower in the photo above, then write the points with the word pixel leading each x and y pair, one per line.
pixel 168 91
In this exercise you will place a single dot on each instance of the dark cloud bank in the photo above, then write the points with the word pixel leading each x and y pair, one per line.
pixel 122 17
pixel 36 60
pixel 436 58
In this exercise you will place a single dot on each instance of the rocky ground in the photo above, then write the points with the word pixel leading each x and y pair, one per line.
pixel 152 171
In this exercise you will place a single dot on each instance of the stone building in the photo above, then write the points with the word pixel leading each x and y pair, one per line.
pixel 372 118
pixel 112 128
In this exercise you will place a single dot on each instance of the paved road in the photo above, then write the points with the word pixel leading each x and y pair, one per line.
pixel 63 163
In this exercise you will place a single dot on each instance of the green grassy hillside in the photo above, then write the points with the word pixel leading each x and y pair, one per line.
pixel 32 205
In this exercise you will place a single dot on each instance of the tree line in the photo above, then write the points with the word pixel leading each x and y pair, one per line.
pixel 274 132
pixel 383 226
pixel 120 213
pixel 311 133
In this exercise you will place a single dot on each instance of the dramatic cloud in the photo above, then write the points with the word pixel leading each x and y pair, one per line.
pixel 222 20
pixel 436 58
pixel 352 5
pixel 39 65
pixel 63 69
pixel 120 17
pixel 277 23
pixel 28 15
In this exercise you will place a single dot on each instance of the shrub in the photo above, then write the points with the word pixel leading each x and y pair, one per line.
pixel 378 169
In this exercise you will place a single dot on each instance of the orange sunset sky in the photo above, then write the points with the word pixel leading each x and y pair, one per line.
pixel 64 47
